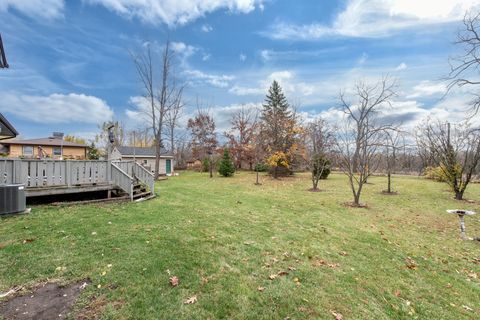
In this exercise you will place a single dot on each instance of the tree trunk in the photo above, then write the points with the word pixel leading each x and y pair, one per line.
pixel 459 194
pixel 389 186
pixel 356 199
pixel 157 160
pixel 210 164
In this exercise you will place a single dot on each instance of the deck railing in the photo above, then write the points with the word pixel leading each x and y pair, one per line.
pixel 122 179
pixel 36 174
pixel 52 173
pixel 137 171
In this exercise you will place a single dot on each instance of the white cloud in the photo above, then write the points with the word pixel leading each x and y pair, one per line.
pixel 427 89
pixel 220 81
pixel 285 78
pixel 222 115
pixel 265 54
pixel 206 56
pixel 363 58
pixel 242 57
pixel 57 108
pixel 174 12
pixel 376 18
pixel 401 66
pixel 206 28
pixel 183 49
pixel 45 9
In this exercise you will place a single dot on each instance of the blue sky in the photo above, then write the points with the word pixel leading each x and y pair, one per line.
pixel 71 69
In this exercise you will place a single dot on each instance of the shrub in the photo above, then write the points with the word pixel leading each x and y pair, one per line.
pixel 205 165
pixel 318 163
pixel 261 167
pixel 226 167
pixel 438 173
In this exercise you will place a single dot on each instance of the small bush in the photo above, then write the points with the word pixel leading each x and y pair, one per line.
pixel 261 167
pixel 320 162
pixel 438 173
pixel 226 167
pixel 205 165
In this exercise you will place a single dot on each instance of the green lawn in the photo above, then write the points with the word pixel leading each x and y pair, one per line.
pixel 225 237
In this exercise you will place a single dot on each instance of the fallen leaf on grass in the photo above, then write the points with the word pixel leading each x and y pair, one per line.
pixel 321 262
pixel 28 240
pixel 397 293
pixel 292 268
pixel 174 281
pixel 337 315
pixel 272 277
pixel 282 273
pixel 190 300
pixel 343 253
pixel 467 308
pixel 261 289
pixel 410 263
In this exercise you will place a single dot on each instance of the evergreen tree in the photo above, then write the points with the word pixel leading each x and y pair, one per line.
pixel 226 167
pixel 278 130
pixel 92 152
pixel 276 117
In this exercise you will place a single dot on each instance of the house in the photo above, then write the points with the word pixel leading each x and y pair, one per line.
pixel 146 157
pixel 51 147
pixel 194 164
pixel 7 131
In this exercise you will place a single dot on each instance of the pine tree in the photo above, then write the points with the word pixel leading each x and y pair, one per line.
pixel 278 127
pixel 226 167
pixel 275 116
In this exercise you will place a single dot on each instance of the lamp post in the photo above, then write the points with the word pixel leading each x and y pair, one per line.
pixel 111 140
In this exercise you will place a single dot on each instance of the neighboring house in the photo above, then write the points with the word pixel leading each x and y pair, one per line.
pixel 52 147
pixel 7 131
pixel 194 164
pixel 145 157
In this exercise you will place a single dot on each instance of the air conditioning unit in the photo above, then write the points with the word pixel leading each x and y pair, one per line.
pixel 12 198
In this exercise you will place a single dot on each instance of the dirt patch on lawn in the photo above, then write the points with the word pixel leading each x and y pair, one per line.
pixel 47 301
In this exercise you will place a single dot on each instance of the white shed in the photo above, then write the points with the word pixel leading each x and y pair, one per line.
pixel 145 157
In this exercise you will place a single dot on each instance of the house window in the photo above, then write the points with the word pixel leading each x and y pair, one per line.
pixel 57 151
pixel 27 150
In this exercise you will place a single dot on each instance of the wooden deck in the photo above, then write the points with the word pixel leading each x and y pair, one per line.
pixel 54 177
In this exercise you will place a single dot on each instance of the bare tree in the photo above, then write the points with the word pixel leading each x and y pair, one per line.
pixel 464 67
pixel 240 137
pixel 320 140
pixel 160 95
pixel 140 137
pixel 456 150
pixel 394 142
pixel 172 119
pixel 204 138
pixel 361 137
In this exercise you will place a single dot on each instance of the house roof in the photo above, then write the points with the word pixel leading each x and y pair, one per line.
pixel 44 142
pixel 6 129
pixel 142 151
